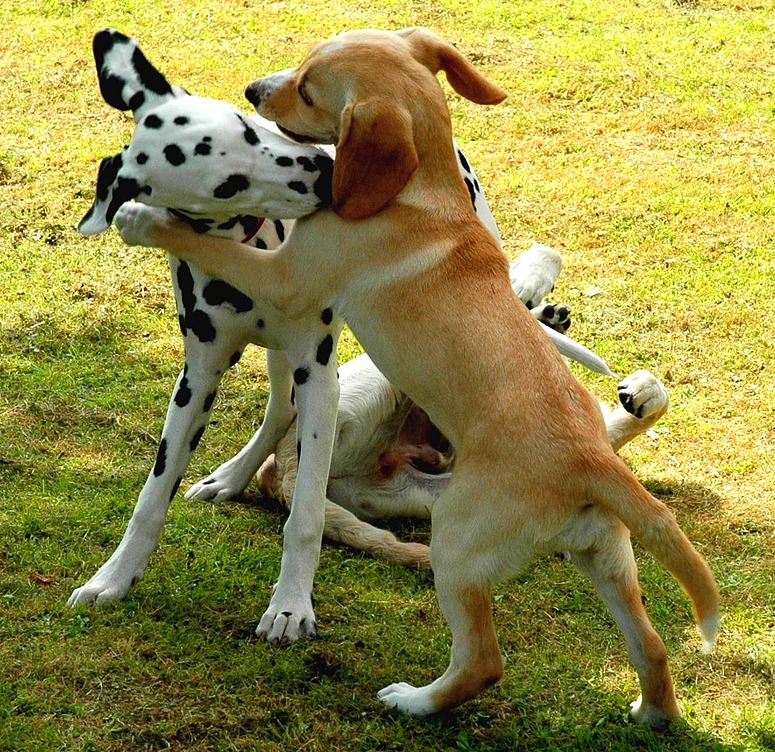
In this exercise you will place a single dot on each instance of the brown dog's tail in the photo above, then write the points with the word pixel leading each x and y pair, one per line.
pixel 655 526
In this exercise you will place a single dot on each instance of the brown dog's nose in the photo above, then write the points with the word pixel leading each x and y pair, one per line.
pixel 253 93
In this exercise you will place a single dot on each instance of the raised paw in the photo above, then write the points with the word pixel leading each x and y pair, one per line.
pixel 534 273
pixel 408 699
pixel 283 623
pixel 643 395
pixel 556 317
pixel 136 223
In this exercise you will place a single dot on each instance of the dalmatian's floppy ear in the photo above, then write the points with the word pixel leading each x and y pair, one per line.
pixel 375 157
pixel 436 54
pixel 127 80
pixel 112 191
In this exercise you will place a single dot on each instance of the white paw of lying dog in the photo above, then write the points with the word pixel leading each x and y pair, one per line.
pixel 136 222
pixel 642 394
pixel 224 483
pixel 545 265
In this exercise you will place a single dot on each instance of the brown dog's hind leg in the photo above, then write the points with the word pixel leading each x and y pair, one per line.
pixel 610 564
pixel 476 663
pixel 461 557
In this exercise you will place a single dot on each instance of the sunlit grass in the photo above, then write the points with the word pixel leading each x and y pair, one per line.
pixel 638 140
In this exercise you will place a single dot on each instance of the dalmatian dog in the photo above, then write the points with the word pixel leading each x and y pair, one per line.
pixel 224 173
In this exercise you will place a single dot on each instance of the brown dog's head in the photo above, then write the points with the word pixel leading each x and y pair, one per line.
pixel 373 94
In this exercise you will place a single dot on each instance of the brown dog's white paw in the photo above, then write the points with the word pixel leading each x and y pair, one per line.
pixel 649 715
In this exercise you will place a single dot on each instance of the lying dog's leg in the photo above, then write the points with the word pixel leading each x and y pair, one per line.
pixel 232 477
pixel 277 478
pixel 187 417
pixel 534 273
pixel 644 400
pixel 290 615
pixel 610 564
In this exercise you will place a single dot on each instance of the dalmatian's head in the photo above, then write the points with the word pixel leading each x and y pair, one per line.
pixel 201 158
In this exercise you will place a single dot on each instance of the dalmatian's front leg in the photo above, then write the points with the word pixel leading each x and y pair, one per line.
pixel 290 615
pixel 232 477
pixel 187 416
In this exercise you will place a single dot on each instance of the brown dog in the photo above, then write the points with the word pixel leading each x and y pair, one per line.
pixel 425 288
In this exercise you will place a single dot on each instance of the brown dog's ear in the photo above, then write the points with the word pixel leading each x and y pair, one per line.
pixel 375 158
pixel 436 54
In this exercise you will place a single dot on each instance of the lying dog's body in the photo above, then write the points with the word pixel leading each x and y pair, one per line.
pixel 389 461
pixel 425 288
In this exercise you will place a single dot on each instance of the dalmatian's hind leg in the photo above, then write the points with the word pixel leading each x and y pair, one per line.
pixel 232 477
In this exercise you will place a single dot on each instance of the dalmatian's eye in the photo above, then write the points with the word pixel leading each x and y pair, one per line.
pixel 304 96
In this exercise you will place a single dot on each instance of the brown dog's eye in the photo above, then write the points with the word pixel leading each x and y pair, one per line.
pixel 304 96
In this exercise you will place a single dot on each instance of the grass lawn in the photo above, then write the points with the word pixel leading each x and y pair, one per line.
pixel 638 139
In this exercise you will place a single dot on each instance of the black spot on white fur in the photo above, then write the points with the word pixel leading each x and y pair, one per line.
pixel 175 488
pixel 154 122
pixel 233 185
pixel 183 395
pixel 174 155
pixel 217 292
pixel 192 319
pixel 300 375
pixel 324 350
pixel 196 438
pixel 161 459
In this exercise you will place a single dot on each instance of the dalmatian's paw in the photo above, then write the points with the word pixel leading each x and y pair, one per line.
pixel 556 317
pixel 224 483
pixel 408 699
pixel 534 273
pixel 136 223
pixel 287 620
pixel 112 582
pixel 643 395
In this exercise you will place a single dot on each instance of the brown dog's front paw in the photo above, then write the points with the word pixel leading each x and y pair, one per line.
pixel 137 222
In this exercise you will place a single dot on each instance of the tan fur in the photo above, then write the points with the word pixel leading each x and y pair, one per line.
pixel 488 377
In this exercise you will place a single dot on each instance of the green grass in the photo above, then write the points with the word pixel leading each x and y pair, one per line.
pixel 638 140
